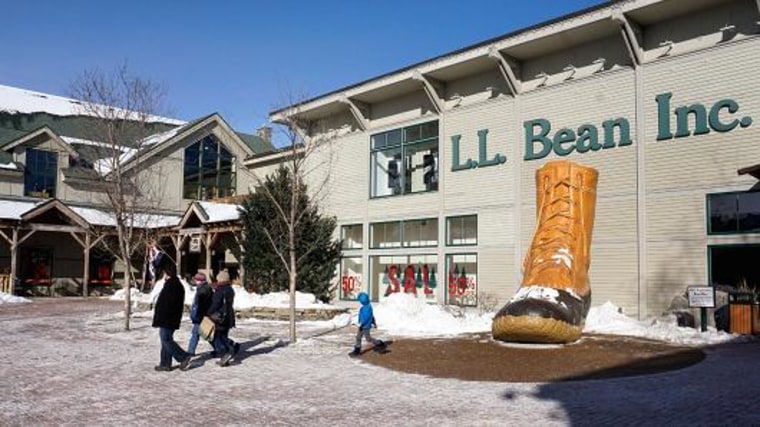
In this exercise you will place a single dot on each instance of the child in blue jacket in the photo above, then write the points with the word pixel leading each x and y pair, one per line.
pixel 366 322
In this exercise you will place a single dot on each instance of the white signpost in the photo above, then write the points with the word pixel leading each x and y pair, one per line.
pixel 704 298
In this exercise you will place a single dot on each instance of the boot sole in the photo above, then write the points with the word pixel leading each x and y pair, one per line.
pixel 532 329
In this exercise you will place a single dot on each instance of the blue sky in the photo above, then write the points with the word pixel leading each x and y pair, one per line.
pixel 239 58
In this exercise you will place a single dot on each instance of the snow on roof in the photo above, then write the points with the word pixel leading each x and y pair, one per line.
pixel 17 100
pixel 10 165
pixel 99 217
pixel 220 212
pixel 13 209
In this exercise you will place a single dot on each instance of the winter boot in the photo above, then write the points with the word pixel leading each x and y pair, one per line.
pixel 356 352
pixel 552 303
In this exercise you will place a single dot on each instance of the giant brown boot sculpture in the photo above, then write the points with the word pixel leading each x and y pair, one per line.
pixel 552 303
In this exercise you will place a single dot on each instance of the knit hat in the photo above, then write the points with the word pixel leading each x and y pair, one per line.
pixel 199 277
pixel 223 276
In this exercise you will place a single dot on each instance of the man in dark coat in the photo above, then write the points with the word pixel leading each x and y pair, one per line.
pixel 222 313
pixel 167 316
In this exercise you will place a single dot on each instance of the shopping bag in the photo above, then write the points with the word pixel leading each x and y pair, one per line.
pixel 206 329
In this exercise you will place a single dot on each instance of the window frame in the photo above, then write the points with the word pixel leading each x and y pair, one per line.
pixel 219 173
pixel 49 171
pixel 343 239
pixel 449 242
pixel 401 146
pixel 446 259
pixel 708 214
pixel 402 234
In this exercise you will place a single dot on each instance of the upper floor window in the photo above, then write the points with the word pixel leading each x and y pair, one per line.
pixel 40 173
pixel 209 170
pixel 404 160
pixel 352 236
pixel 414 233
pixel 733 213
pixel 462 230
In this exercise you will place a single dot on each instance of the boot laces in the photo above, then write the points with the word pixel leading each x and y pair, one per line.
pixel 555 242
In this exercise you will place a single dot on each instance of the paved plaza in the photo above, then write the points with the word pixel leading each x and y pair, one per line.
pixel 69 362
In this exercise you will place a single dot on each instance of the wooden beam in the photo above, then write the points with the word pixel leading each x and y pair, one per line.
pixel 629 30
pixel 190 231
pixel 14 250
pixel 81 243
pixel 207 242
pixel 432 88
pixel 86 278
pixel 26 236
pixel 506 70
pixel 56 228
pixel 7 238
pixel 356 107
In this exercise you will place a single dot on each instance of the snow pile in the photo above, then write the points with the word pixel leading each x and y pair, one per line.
pixel 244 299
pixel 12 299
pixel 608 319
pixel 406 315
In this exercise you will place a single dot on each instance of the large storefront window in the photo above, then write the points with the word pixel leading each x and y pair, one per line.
pixel 352 236
pixel 405 160
pixel 209 170
pixel 351 278
pixel 462 279
pixel 462 230
pixel 40 173
pixel 733 213
pixel 412 274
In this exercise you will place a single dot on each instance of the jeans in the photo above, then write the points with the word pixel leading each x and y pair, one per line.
pixel 221 343
pixel 364 333
pixel 193 339
pixel 169 348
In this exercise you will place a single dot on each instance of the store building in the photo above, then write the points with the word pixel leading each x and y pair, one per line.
pixel 432 176
pixel 54 212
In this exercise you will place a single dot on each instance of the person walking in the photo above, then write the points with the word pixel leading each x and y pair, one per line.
pixel 222 313
pixel 167 317
pixel 366 322
pixel 201 304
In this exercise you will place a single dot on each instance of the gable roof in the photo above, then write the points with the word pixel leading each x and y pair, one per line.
pixel 258 145
pixel 211 212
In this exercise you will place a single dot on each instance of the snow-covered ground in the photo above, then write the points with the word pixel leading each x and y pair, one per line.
pixel 403 315
pixel 68 361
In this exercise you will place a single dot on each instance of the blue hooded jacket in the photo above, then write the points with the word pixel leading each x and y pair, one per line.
pixel 366 317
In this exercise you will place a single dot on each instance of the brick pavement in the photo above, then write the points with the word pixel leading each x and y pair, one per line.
pixel 68 362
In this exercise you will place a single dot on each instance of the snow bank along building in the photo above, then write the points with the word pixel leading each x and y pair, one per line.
pixel 53 214
pixel 432 178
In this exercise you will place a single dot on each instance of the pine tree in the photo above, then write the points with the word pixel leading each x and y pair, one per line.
pixel 318 254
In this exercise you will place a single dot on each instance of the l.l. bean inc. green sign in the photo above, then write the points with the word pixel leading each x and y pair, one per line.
pixel 539 141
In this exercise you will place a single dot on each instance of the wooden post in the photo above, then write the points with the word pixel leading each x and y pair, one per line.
pixel 14 249
pixel 207 244
pixel 86 278
pixel 178 245
pixel 241 266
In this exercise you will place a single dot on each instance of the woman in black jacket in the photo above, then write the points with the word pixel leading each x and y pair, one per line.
pixel 167 316
pixel 222 313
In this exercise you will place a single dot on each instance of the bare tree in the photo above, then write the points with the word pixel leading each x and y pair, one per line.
pixel 307 153
pixel 120 112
